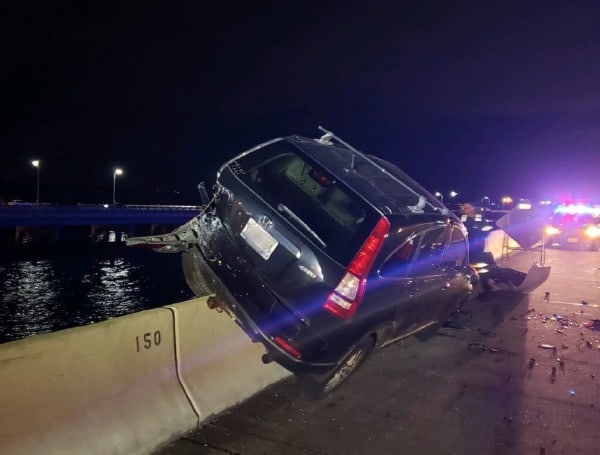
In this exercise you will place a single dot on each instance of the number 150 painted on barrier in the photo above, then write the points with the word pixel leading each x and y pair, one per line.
pixel 148 340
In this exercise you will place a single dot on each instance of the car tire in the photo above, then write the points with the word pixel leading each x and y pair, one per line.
pixel 194 274
pixel 317 385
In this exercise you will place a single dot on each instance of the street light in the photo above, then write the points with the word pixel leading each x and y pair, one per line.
pixel 453 194
pixel 440 196
pixel 36 164
pixel 115 173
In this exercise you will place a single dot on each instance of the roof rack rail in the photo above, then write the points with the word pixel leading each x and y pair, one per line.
pixel 326 140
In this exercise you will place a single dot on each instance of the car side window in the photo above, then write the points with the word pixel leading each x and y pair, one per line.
pixel 429 253
pixel 455 255
pixel 399 261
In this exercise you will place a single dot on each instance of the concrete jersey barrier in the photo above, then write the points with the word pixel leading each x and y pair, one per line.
pixel 219 365
pixel 105 388
pixel 127 385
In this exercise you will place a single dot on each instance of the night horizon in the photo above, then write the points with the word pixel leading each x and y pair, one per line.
pixel 485 100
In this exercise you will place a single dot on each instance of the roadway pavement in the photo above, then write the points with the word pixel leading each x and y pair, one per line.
pixel 488 386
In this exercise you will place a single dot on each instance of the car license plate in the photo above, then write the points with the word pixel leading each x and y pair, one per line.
pixel 572 240
pixel 260 240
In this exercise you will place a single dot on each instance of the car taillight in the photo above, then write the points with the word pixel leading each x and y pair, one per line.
pixel 348 294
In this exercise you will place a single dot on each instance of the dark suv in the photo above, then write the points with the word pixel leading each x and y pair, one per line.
pixel 322 253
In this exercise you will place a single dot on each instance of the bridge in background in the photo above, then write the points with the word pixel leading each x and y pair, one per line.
pixel 32 215
pixel 34 222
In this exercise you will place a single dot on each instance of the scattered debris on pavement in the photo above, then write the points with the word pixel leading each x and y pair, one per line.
pixel 594 324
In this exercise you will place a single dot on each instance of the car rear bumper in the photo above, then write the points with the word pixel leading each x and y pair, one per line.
pixel 263 331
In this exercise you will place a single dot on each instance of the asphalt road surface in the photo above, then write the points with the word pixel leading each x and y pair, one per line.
pixel 484 386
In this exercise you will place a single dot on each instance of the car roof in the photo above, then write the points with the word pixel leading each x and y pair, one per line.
pixel 381 183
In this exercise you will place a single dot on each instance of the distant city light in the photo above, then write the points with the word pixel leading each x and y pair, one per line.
pixel 506 201
pixel 524 206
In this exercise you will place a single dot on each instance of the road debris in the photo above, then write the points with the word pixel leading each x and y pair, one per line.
pixel 548 346
pixel 454 325
pixel 594 324
pixel 482 347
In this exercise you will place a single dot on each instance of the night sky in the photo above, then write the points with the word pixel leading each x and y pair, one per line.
pixel 484 98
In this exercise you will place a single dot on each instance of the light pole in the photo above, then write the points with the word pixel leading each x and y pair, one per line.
pixel 440 196
pixel 36 164
pixel 117 171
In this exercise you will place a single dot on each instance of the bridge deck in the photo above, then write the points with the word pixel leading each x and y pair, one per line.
pixel 86 215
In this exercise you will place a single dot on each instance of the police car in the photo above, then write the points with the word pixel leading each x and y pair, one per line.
pixel 574 226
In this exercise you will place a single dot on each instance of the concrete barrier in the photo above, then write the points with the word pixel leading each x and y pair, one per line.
pixel 219 365
pixel 127 385
pixel 105 388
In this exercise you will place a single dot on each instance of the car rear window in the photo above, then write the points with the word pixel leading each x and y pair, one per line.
pixel 382 183
pixel 320 206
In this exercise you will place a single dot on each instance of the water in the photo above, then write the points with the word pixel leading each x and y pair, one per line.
pixel 43 292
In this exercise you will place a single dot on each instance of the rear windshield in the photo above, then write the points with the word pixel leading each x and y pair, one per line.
pixel 331 215
pixel 382 183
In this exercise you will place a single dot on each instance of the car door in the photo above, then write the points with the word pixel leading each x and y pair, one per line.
pixel 417 279
pixel 455 265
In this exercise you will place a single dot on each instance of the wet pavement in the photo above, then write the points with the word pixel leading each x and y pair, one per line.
pixel 514 374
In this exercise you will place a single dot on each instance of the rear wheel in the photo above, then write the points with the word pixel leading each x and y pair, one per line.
pixel 318 385
pixel 194 274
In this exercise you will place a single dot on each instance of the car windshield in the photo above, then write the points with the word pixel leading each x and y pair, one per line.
pixel 330 214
